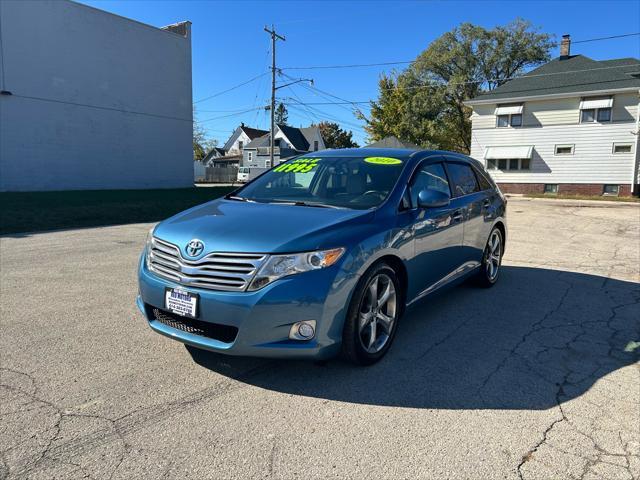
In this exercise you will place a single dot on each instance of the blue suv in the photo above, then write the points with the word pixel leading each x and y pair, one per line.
pixel 323 253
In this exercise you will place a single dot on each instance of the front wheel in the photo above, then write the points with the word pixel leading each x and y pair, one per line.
pixel 491 259
pixel 373 316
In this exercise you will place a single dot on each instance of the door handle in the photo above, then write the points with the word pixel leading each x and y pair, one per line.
pixel 486 203
pixel 457 216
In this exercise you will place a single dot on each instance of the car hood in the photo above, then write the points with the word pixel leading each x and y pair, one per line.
pixel 234 226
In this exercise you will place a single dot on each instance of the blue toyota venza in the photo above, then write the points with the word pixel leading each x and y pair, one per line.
pixel 323 253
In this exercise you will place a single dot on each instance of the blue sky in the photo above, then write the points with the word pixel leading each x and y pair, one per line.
pixel 230 46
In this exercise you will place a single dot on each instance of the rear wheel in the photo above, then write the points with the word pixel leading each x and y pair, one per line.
pixel 373 316
pixel 491 259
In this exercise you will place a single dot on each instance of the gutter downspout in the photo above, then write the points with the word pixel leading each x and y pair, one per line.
pixel 636 163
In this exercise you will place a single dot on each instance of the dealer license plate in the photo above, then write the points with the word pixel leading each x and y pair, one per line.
pixel 181 302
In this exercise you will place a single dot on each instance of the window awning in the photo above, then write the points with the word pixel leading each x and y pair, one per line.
pixel 588 104
pixel 509 110
pixel 497 153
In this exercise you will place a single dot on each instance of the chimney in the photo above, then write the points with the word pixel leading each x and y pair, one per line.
pixel 565 47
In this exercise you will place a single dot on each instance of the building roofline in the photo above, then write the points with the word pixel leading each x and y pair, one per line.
pixel 493 100
pixel 160 29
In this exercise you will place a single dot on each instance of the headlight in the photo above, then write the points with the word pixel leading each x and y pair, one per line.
pixel 278 266
pixel 147 245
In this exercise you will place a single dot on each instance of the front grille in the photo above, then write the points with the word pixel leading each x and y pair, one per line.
pixel 215 271
pixel 222 333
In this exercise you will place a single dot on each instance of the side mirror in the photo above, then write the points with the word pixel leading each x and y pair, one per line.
pixel 432 199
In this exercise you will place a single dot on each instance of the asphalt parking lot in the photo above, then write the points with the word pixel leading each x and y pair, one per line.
pixel 537 378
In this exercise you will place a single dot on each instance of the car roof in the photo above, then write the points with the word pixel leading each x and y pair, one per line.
pixel 399 153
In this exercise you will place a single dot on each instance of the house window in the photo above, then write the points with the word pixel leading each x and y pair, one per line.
pixel 564 150
pixel 611 190
pixel 622 148
pixel 604 115
pixel 240 145
pixel 267 163
pixel 249 156
pixel 315 145
pixel 590 115
pixel 513 120
pixel 587 116
pixel 596 109
pixel 507 164
pixel 550 188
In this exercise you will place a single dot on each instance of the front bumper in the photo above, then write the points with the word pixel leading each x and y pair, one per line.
pixel 263 318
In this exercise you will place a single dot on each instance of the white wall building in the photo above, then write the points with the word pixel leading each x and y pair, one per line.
pixel 92 100
pixel 569 126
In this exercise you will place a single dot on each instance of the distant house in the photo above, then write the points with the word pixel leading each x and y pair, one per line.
pixel 288 142
pixel 240 137
pixel 217 156
pixel 393 142
pixel 569 126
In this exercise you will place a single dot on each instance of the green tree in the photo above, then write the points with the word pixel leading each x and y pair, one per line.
pixel 281 114
pixel 201 144
pixel 424 104
pixel 336 137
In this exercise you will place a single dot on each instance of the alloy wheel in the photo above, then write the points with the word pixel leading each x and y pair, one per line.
pixel 493 255
pixel 377 314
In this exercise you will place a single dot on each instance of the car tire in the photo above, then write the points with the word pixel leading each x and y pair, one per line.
pixel 491 259
pixel 370 326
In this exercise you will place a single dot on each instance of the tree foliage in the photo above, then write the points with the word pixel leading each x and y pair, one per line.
pixel 201 144
pixel 336 137
pixel 424 103
pixel 281 114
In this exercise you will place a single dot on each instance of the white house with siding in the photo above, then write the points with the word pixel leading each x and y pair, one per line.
pixel 569 126
pixel 240 138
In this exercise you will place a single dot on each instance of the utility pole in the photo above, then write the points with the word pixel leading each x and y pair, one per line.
pixel 274 37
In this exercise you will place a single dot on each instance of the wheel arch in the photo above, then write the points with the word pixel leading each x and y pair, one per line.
pixel 500 225
pixel 398 266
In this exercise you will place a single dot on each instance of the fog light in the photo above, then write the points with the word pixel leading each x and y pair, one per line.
pixel 305 330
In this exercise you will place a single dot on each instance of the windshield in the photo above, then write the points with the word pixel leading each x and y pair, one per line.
pixel 343 182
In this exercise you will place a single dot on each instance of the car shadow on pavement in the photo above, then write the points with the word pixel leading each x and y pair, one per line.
pixel 536 339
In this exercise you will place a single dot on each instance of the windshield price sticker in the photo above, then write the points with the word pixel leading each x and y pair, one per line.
pixel 300 165
pixel 383 160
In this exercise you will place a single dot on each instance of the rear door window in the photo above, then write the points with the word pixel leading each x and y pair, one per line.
pixel 463 179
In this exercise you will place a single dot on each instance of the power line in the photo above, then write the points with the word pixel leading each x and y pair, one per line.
pixel 323 115
pixel 232 88
pixel 354 65
pixel 235 110
pixel 606 38
pixel 405 62
pixel 290 87
pixel 230 115
pixel 486 80
pixel 364 102
pixel 314 89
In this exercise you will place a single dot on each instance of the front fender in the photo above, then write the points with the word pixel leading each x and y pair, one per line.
pixel 360 258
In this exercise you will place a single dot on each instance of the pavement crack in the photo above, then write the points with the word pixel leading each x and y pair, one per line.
pixel 534 327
